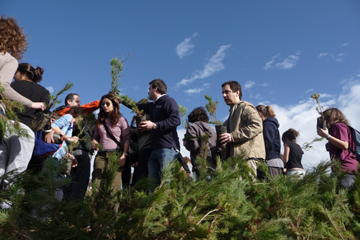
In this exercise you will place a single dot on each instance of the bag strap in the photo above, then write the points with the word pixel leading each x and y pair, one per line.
pixel 112 136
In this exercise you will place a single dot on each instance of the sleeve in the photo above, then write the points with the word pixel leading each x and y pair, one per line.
pixel 125 131
pixel 6 75
pixel 173 120
pixel 63 121
pixel 269 136
pixel 252 128
pixel 96 135
pixel 340 131
pixel 192 141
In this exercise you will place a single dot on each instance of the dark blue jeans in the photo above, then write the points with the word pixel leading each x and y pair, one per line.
pixel 157 162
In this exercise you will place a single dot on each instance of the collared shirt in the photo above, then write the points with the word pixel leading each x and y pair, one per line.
pixel 160 97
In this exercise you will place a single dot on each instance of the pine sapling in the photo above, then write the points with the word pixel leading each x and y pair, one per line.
pixel 183 111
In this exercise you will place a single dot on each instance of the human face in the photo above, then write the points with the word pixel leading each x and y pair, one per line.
pixel 231 98
pixel 107 105
pixel 18 76
pixel 75 102
pixel 152 93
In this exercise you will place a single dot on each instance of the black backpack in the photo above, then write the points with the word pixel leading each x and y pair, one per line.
pixel 356 138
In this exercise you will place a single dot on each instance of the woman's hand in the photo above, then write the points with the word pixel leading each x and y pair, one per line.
pixel 94 145
pixel 323 133
pixel 122 160
pixel 38 105
pixel 73 159
pixel 74 139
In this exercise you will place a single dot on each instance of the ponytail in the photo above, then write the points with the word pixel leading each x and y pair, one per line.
pixel 266 111
pixel 290 135
pixel 34 74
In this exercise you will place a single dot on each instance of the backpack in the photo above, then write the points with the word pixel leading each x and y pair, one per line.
pixel 356 138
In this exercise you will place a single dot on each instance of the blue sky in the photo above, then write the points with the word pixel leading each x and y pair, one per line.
pixel 280 52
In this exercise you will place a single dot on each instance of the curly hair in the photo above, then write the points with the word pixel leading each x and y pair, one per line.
pixel 198 114
pixel 34 74
pixel 12 37
pixel 290 135
pixel 334 115
pixel 76 111
pixel 114 115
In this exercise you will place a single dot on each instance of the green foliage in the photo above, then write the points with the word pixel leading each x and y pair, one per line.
pixel 211 108
pixel 54 97
pixel 183 111
pixel 223 204
pixel 117 66
pixel 308 145
pixel 130 102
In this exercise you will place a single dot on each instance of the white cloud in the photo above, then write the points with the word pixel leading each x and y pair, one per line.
pixel 211 67
pixel 50 89
pixel 185 48
pixel 136 87
pixel 345 44
pixel 309 90
pixel 287 63
pixel 323 55
pixel 265 85
pixel 249 84
pixel 268 64
pixel 194 90
pixel 197 90
pixel 302 117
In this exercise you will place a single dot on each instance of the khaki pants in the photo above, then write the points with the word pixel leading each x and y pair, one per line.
pixel 99 166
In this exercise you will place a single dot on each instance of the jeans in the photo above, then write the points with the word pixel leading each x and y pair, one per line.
pixel 157 162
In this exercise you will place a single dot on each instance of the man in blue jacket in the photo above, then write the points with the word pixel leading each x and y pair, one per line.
pixel 164 119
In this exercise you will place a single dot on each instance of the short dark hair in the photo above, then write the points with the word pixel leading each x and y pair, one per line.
pixel 198 114
pixel 234 86
pixel 160 85
pixel 70 97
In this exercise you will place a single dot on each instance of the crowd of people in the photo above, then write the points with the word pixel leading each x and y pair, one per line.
pixel 252 132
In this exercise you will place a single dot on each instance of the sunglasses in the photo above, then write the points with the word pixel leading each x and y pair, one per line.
pixel 106 104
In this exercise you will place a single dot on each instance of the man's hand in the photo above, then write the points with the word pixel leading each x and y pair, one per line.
pixel 122 160
pixel 145 125
pixel 225 138
pixel 48 138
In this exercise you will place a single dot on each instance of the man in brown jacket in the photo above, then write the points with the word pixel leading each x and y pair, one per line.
pixel 244 127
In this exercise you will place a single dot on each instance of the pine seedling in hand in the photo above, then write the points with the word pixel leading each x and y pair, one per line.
pixel 183 111
pixel 211 108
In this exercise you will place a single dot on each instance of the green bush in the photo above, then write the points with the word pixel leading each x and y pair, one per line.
pixel 225 204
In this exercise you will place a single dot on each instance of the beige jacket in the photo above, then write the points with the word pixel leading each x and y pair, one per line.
pixel 8 67
pixel 246 129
